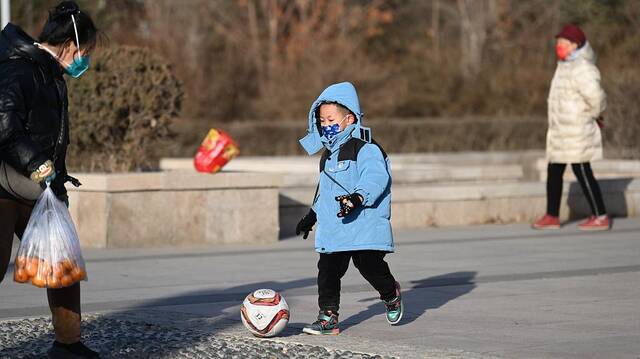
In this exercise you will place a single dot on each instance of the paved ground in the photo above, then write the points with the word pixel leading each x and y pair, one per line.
pixel 486 291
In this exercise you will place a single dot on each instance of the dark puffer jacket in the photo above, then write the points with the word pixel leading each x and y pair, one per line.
pixel 34 121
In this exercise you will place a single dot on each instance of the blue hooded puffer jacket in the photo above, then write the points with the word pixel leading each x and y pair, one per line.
pixel 369 227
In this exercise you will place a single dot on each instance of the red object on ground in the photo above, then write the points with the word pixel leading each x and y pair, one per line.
pixel 594 223
pixel 216 150
pixel 547 222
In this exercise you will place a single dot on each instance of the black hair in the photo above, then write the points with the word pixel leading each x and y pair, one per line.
pixel 344 110
pixel 341 108
pixel 58 30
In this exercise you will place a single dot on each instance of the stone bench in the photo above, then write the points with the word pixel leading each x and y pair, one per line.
pixel 162 209
pixel 448 189
pixel 457 204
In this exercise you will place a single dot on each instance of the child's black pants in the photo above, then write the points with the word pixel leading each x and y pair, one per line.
pixel 587 181
pixel 333 266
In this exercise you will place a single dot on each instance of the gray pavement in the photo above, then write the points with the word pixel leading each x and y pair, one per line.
pixel 486 291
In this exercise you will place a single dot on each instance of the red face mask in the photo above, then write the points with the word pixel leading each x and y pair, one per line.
pixel 562 51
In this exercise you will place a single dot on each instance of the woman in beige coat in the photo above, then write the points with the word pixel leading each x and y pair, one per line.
pixel 575 104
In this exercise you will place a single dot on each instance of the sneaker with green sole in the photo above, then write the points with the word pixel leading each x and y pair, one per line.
pixel 394 307
pixel 327 324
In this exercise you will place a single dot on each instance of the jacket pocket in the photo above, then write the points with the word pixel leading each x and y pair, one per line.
pixel 341 177
pixel 339 167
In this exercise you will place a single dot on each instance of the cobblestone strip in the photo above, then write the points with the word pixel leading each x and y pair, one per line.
pixel 117 338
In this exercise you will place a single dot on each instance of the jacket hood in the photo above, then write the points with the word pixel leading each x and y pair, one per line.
pixel 345 94
pixel 15 43
pixel 585 52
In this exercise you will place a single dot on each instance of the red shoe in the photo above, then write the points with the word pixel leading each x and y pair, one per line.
pixel 547 222
pixel 594 223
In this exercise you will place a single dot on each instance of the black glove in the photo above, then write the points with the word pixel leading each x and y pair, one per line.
pixel 306 224
pixel 348 203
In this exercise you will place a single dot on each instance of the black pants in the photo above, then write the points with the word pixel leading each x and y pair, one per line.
pixel 588 183
pixel 333 266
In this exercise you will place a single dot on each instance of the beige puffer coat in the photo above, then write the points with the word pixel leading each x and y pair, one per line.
pixel 575 100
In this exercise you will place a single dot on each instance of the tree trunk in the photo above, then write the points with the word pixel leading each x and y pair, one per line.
pixel 476 18
pixel 435 27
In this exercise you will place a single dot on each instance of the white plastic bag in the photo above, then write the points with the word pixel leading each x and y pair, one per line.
pixel 49 254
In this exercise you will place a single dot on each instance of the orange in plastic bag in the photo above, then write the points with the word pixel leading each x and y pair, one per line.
pixel 217 149
pixel 50 255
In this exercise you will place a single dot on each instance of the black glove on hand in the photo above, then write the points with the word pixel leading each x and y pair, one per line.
pixel 306 224
pixel 348 203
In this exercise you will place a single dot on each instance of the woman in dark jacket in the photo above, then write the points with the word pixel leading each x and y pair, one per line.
pixel 34 135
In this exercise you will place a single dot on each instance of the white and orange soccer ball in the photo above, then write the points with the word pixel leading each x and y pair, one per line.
pixel 265 313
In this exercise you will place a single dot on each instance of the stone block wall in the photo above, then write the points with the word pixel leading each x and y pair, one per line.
pixel 175 209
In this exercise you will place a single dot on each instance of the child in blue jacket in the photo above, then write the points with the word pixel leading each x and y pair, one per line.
pixel 352 205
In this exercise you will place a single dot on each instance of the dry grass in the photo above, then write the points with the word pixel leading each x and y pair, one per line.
pixel 262 138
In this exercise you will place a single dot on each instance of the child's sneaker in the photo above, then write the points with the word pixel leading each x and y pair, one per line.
pixel 326 324
pixel 394 307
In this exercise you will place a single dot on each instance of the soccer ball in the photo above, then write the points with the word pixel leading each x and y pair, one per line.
pixel 264 313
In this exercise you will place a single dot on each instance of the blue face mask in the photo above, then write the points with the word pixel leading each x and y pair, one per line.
pixel 332 131
pixel 79 66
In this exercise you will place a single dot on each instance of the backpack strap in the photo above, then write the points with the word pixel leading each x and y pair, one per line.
pixel 365 134
pixel 349 151
pixel 323 159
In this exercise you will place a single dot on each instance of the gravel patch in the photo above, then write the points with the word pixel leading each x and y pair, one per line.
pixel 117 338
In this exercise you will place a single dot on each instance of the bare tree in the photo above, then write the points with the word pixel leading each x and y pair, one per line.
pixel 477 18
pixel 435 27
